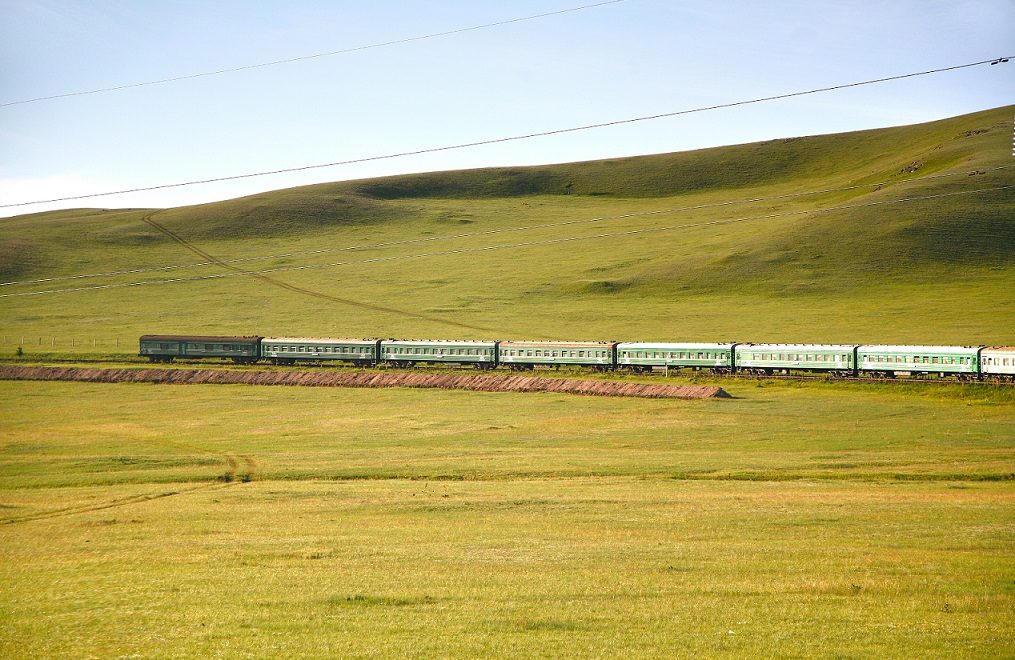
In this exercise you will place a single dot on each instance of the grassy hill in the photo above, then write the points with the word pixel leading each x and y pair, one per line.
pixel 653 247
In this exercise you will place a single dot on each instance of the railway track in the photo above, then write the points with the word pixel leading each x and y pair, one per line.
pixel 687 374
pixel 866 380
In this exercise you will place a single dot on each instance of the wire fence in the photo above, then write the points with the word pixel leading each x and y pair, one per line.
pixel 53 342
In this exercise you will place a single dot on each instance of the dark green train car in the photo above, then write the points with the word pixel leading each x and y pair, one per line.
pixel 166 348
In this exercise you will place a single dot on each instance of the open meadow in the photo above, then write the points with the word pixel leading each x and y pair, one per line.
pixel 805 519
pixel 792 520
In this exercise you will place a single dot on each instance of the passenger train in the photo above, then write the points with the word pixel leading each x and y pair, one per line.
pixel 838 360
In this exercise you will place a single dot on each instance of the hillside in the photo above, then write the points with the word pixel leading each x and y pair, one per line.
pixel 659 246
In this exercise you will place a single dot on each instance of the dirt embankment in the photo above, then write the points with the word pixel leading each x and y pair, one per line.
pixel 475 382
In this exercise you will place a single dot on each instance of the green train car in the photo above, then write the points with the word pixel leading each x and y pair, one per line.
pixel 525 355
pixel 290 350
pixel 767 359
pixel 166 348
pixel 644 356
pixel 961 361
pixel 407 353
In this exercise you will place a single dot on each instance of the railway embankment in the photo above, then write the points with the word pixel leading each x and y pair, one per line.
pixel 472 382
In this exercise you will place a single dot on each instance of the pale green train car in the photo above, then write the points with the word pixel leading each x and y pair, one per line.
pixel 889 360
pixel 290 350
pixel 643 356
pixel 838 359
pixel 407 353
pixel 523 355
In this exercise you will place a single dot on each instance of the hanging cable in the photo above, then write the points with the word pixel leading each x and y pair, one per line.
pixel 303 58
pixel 527 136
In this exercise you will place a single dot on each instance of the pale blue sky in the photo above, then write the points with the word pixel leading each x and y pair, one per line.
pixel 633 58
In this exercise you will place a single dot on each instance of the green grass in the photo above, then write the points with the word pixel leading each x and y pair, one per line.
pixel 931 271
pixel 200 433
pixel 793 520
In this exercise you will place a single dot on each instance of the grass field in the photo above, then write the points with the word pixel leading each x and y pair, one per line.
pixel 792 520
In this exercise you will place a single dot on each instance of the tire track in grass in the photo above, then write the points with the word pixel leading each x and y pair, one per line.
pixel 252 468
pixel 301 290
pixel 123 501
pixel 230 476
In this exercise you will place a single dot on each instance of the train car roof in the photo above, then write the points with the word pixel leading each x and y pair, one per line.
pixel 321 340
pixel 919 349
pixel 669 346
pixel 799 347
pixel 557 344
pixel 440 342
pixel 200 338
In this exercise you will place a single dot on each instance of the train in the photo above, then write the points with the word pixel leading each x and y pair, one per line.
pixel 964 363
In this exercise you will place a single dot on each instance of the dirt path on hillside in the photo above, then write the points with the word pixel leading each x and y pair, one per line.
pixel 473 382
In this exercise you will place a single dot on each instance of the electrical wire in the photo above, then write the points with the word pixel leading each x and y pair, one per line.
pixel 507 246
pixel 504 230
pixel 466 145
pixel 314 56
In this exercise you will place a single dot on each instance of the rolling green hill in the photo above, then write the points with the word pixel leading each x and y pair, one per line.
pixel 911 240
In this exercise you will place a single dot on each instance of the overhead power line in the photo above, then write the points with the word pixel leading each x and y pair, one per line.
pixel 506 246
pixel 513 138
pixel 504 230
pixel 303 58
